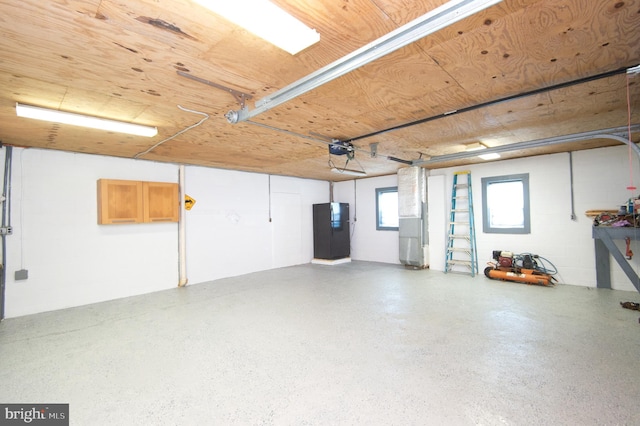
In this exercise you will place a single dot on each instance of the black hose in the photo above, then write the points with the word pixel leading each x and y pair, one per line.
pixel 541 266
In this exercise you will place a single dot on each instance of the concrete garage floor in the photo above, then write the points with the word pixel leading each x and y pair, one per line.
pixel 360 343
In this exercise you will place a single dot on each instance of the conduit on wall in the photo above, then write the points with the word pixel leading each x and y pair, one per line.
pixel 6 224
pixel 269 188
pixel 573 207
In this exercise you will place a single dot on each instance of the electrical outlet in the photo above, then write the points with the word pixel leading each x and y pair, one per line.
pixel 22 274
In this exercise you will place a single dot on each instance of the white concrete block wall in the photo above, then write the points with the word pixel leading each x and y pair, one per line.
pixel 74 261
pixel 601 180
pixel 291 197
pixel 438 218
pixel 228 229
pixel 367 243
pixel 71 259
pixel 601 177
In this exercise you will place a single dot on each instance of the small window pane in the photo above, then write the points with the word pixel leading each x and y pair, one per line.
pixel 387 208
pixel 505 204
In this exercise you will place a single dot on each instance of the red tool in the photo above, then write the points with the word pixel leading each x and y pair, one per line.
pixel 629 253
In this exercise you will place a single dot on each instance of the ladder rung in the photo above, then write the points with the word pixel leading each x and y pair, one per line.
pixel 459 223
pixel 460 262
pixel 459 236
pixel 460 210
pixel 459 250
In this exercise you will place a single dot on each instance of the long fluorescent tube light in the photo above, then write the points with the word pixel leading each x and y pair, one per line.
pixel 348 172
pixel 489 156
pixel 429 23
pixel 39 113
pixel 479 146
pixel 267 21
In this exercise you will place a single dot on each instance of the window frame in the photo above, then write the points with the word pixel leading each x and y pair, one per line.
pixel 520 177
pixel 380 191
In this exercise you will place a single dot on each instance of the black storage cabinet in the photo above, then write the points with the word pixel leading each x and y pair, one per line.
pixel 331 231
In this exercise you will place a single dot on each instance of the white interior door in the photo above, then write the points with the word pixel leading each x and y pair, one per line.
pixel 286 217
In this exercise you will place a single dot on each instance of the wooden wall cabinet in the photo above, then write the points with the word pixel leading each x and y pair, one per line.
pixel 128 201
pixel 119 201
pixel 161 201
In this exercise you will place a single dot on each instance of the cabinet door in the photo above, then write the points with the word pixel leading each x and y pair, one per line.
pixel 322 231
pixel 119 201
pixel 161 202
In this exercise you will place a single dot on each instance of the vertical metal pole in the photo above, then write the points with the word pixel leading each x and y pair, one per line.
pixel 6 215
pixel 270 218
pixel 573 206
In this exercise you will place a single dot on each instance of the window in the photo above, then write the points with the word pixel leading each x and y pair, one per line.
pixel 505 204
pixel 387 209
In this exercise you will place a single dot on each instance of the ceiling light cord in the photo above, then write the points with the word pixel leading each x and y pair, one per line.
pixel 205 118
pixel 344 169
pixel 341 170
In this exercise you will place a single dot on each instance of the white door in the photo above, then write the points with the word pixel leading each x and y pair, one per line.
pixel 286 220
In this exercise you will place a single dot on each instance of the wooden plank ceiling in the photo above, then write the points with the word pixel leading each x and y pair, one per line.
pixel 120 60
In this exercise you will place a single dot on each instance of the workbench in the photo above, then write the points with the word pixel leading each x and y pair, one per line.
pixel 603 237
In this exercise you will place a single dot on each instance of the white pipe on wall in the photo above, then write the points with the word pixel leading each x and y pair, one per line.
pixel 182 240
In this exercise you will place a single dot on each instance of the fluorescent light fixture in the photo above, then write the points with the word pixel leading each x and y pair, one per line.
pixel 267 21
pixel 479 146
pixel 491 156
pixel 476 146
pixel 73 119
pixel 349 172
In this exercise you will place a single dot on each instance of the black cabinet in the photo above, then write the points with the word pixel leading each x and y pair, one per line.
pixel 331 231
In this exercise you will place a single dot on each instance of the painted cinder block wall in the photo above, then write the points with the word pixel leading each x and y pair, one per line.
pixel 248 222
pixel 367 243
pixel 601 177
pixel 72 261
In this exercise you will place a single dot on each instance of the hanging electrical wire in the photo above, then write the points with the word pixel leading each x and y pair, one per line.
pixel 631 186
pixel 344 169
pixel 205 118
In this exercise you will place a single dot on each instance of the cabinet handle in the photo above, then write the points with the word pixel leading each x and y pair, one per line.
pixel 123 221
pixel 161 219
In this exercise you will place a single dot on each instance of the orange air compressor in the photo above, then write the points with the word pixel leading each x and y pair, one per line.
pixel 523 268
